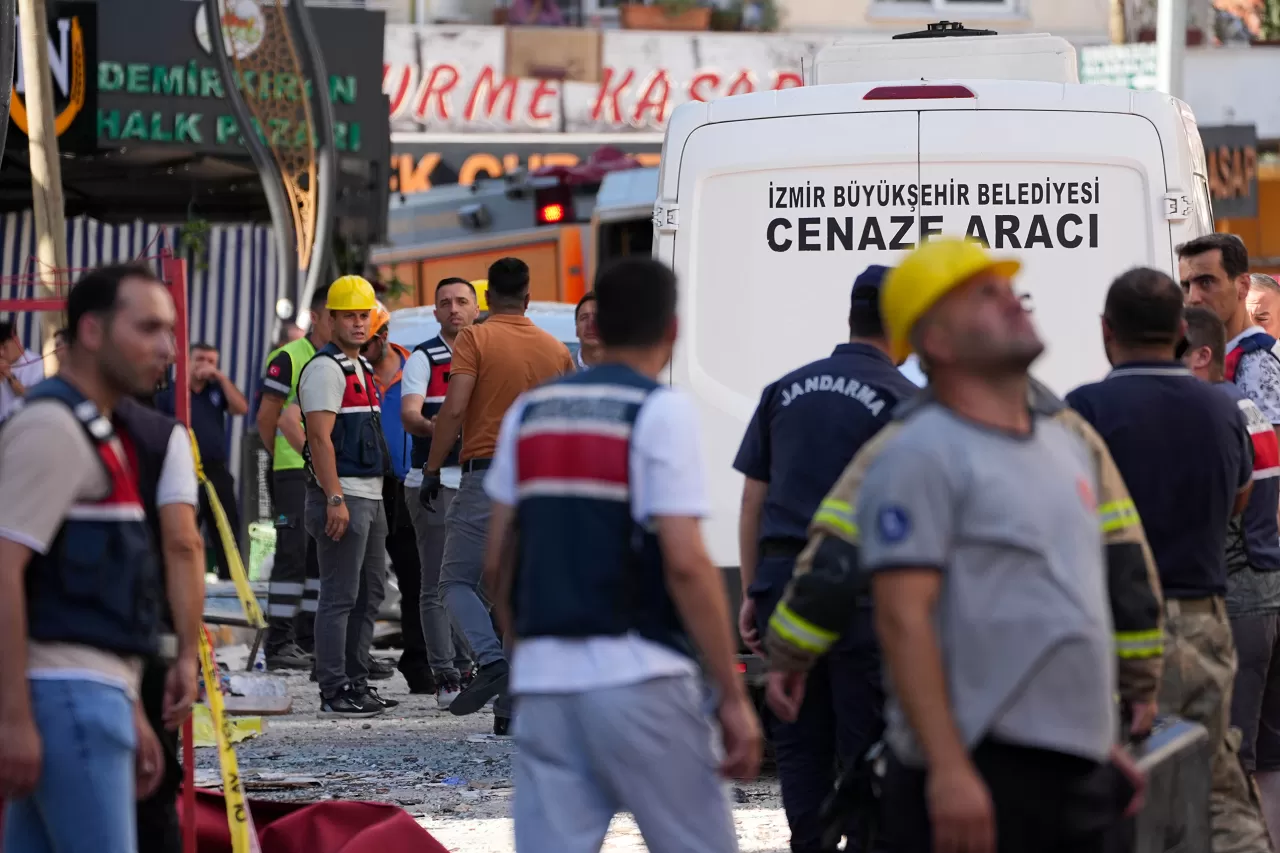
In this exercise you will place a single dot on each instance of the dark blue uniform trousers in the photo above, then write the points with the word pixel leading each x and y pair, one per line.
pixel 841 718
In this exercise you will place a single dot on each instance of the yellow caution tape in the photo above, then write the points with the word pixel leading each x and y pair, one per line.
pixel 203 734
pixel 248 601
pixel 244 838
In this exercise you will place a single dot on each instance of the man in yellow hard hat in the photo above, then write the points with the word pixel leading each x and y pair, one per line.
pixel 1001 498
pixel 348 459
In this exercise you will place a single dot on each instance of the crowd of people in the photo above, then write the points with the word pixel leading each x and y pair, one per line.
pixel 968 574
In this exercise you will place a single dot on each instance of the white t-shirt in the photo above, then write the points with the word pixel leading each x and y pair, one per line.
pixel 666 479
pixel 29 370
pixel 1258 377
pixel 417 373
pixel 178 483
pixel 320 389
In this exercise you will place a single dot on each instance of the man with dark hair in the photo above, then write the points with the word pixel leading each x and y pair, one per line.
pixel 584 320
pixel 213 397
pixel 1173 437
pixel 807 428
pixel 80 580
pixel 601 473
pixel 293 592
pixel 20 369
pixel 426 379
pixel 492 364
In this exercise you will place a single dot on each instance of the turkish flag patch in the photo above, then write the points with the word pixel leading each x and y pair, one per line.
pixel 273 370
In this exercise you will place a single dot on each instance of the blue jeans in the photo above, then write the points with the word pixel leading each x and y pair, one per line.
pixel 84 800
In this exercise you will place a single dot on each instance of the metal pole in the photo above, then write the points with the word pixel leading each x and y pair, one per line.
pixel 8 48
pixel 1171 45
pixel 46 172
pixel 272 181
pixel 326 153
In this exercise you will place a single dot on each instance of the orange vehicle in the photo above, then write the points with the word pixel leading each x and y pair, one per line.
pixel 547 219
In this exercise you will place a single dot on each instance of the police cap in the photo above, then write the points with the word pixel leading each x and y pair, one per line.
pixel 865 320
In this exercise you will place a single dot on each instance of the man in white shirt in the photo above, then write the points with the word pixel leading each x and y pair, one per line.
pixel 607 591
pixel 20 369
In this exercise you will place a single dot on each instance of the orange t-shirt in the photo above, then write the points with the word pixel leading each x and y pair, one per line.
pixel 508 355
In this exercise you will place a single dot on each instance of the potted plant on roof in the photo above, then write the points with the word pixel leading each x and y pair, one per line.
pixel 687 15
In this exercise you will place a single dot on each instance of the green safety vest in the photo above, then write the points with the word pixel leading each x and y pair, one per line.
pixel 285 458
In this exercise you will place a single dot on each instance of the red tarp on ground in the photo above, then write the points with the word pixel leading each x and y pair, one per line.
pixel 326 827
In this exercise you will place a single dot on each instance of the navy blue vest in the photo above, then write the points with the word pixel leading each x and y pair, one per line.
pixel 99 584
pixel 358 441
pixel 585 568
pixel 440 358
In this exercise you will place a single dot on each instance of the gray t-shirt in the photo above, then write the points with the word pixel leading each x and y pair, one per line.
pixel 1023 618
pixel 320 389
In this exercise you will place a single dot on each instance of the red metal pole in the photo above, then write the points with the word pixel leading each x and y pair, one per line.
pixel 174 272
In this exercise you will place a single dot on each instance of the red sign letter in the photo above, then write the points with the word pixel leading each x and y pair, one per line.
pixel 544 89
pixel 706 79
pixel 605 92
pixel 397 80
pixel 787 80
pixel 443 80
pixel 484 89
pixel 744 83
pixel 655 97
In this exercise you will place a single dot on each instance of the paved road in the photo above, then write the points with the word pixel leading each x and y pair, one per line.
pixel 448 772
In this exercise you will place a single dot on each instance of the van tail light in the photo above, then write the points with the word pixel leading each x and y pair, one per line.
pixel 550 214
pixel 917 93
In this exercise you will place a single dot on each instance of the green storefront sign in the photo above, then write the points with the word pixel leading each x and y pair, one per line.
pixel 215 123
pixel 157 83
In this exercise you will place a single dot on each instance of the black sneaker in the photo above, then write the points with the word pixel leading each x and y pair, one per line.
pixel 288 657
pixel 421 682
pixel 380 670
pixel 489 682
pixel 370 695
pixel 348 705
pixel 501 725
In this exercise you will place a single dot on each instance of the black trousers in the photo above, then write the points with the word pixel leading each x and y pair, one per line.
pixel 225 487
pixel 1045 802
pixel 841 718
pixel 402 546
pixel 158 827
pixel 294 588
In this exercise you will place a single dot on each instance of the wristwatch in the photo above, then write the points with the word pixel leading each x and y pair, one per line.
pixel 335 500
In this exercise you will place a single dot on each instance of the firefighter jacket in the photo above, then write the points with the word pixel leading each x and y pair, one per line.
pixel 829 582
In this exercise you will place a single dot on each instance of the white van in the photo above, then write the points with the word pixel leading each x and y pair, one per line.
pixel 770 204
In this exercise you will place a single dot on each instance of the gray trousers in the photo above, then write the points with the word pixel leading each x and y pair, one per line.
pixel 645 748
pixel 447 650
pixel 353 572
pixel 466 526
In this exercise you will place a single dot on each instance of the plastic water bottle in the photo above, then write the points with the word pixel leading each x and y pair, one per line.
pixel 260 661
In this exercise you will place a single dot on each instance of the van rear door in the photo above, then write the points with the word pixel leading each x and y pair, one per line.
pixel 783 213
pixel 1076 196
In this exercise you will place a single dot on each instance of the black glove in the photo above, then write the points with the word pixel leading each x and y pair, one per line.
pixel 430 489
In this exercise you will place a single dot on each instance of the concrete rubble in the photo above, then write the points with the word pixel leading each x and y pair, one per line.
pixel 450 773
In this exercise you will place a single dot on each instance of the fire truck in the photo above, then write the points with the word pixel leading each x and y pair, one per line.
pixel 561 221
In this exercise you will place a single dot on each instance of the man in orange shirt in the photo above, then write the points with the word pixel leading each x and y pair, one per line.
pixel 493 364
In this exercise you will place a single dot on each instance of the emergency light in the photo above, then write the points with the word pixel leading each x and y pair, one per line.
pixel 554 205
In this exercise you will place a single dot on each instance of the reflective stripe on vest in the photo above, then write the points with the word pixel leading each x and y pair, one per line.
pixel 301 351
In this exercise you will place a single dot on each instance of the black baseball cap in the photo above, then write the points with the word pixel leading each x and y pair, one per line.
pixel 864 301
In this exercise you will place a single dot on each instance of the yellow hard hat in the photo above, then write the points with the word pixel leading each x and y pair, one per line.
pixel 924 277
pixel 482 288
pixel 381 317
pixel 351 293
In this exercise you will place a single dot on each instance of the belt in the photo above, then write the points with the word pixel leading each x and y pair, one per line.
pixel 476 465
pixel 1194 605
pixel 781 546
